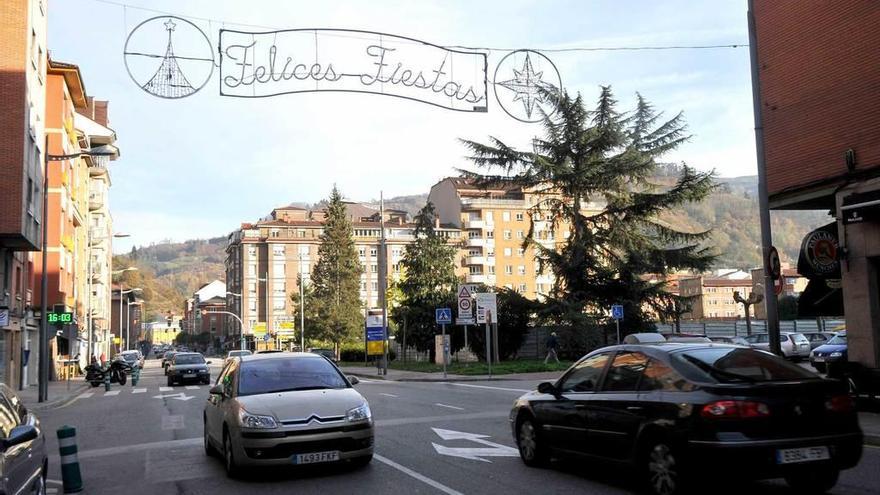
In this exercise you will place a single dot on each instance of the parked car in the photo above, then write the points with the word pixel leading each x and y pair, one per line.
pixel 188 366
pixel 24 463
pixel 234 354
pixel 286 408
pixel 714 409
pixel 685 339
pixel 832 352
pixel 818 338
pixel 327 353
pixel 644 338
pixel 794 345
pixel 133 358
pixel 166 359
pixel 731 340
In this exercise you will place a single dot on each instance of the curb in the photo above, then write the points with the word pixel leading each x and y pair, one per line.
pixel 872 440
pixel 43 406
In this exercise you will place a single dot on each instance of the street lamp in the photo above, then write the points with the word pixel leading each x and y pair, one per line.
pixel 241 324
pixel 103 152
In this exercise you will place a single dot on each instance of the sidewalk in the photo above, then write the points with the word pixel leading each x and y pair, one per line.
pixel 870 423
pixel 58 393
pixel 370 372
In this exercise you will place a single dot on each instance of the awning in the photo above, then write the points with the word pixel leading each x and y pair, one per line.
pixel 861 207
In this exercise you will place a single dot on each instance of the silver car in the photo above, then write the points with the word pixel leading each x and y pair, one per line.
pixel 794 345
pixel 23 460
pixel 286 409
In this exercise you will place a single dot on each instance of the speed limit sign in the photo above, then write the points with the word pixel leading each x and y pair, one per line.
pixel 465 301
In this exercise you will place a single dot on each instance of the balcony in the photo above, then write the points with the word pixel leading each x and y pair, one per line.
pixel 476 260
pixel 476 278
pixel 96 201
pixel 97 168
pixel 474 224
pixel 476 242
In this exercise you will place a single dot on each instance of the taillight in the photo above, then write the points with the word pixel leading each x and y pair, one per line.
pixel 840 404
pixel 735 409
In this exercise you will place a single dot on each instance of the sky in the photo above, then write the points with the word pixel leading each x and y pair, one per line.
pixel 197 167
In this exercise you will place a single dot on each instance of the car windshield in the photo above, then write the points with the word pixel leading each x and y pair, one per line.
pixel 130 356
pixel 726 364
pixel 264 376
pixel 189 359
pixel 837 340
pixel 239 353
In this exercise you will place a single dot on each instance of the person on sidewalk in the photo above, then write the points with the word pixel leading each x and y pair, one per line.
pixel 552 342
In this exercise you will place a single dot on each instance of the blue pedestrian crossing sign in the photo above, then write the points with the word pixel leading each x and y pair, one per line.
pixel 617 311
pixel 444 316
pixel 266 338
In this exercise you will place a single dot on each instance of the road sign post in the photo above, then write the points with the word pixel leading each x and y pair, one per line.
pixel 617 314
pixel 443 317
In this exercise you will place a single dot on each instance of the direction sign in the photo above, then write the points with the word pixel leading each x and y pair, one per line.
pixel 487 307
pixel 443 316
pixel 617 311
pixel 375 335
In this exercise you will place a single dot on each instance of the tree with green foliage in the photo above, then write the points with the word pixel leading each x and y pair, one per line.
pixel 429 282
pixel 604 157
pixel 334 296
pixel 515 315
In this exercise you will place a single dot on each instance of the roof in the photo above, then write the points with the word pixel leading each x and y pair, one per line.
pixel 280 355
pixel 73 79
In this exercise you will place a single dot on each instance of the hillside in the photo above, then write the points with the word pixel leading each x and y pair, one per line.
pixel 171 271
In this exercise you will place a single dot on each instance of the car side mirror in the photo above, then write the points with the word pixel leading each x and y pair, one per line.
pixel 548 388
pixel 20 434
pixel 353 379
pixel 207 362
pixel 216 390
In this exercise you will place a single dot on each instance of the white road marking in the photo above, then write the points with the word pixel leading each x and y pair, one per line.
pixel 492 449
pixel 192 387
pixel 111 393
pixel 138 390
pixel 449 407
pixel 448 417
pixel 166 389
pixel 409 472
pixel 389 395
pixel 85 395
pixel 488 387
pixel 178 396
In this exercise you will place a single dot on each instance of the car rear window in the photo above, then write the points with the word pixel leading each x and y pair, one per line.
pixel 799 338
pixel 264 376
pixel 838 340
pixel 188 359
pixel 723 364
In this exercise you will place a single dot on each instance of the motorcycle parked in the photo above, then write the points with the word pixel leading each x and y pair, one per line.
pixel 117 368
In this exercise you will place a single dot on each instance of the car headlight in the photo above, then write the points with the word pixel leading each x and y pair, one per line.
pixel 248 420
pixel 359 413
pixel 836 354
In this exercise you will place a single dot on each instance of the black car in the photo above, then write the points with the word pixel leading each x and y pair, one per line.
pixel 188 366
pixel 674 410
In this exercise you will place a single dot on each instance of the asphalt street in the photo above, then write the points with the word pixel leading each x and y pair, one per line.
pixel 431 438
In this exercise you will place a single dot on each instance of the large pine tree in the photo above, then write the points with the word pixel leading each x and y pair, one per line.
pixel 609 158
pixel 333 294
pixel 429 281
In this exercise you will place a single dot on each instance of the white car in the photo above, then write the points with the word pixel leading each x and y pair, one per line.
pixel 794 345
pixel 133 357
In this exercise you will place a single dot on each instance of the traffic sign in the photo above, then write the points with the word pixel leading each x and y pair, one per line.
pixel 617 311
pixel 266 338
pixel 774 263
pixel 465 300
pixel 443 316
pixel 465 321
pixel 487 307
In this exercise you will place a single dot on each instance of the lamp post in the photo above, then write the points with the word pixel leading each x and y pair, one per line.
pixel 122 293
pixel 240 323
pixel 302 306
pixel 43 370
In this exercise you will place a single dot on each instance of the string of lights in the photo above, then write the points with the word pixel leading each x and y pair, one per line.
pixel 460 47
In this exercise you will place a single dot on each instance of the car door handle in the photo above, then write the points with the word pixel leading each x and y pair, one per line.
pixel 580 406
pixel 634 408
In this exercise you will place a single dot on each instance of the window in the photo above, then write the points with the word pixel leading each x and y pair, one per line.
pixel 625 372
pixel 490 253
pixel 539 288
pixel 395 252
pixel 362 252
pixel 278 249
pixel 519 217
pixel 508 235
pixel 505 215
pixel 521 269
pixel 374 252
pixel 490 234
pixel 736 365
pixel 474 252
pixel 659 376
pixel 492 269
pixel 278 303
pixel 521 252
pixel 508 269
pixel 520 234
pixel 475 270
pixel 252 288
pixel 508 251
pixel 252 250
pixel 521 289
pixel 279 287
pixel 473 234
pixel 396 267
pixel 374 268
pixel 363 286
pixel 252 304
pixel 274 232
pixel 585 375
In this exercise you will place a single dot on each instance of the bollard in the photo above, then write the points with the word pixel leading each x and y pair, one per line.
pixel 135 375
pixel 70 475
pixel 107 379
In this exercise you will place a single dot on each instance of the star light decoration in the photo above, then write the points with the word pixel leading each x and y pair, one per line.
pixel 170 25
pixel 526 84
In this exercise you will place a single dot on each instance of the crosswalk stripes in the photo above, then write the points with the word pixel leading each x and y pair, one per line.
pixel 111 393
pixel 86 395
pixel 138 390
pixel 165 389
pixel 132 391
pixel 192 387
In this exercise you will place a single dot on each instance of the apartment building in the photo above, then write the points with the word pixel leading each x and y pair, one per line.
pixel 210 298
pixel 23 57
pixel 712 296
pixel 494 223
pixel 264 261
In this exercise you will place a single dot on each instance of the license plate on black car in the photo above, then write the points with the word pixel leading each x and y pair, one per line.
pixel 804 454
pixel 315 457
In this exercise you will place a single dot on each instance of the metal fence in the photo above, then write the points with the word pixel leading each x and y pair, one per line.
pixel 738 327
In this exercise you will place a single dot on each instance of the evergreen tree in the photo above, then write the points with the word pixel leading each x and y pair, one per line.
pixel 429 282
pixel 335 285
pixel 609 158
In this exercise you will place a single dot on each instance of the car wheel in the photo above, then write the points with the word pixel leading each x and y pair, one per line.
pixel 531 450
pixel 170 382
pixel 813 481
pixel 662 470
pixel 229 463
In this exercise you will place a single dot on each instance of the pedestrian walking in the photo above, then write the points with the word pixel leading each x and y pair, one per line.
pixel 552 343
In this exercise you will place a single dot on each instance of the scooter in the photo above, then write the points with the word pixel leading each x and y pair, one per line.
pixel 117 369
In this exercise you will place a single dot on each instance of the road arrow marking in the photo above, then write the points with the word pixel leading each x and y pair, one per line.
pixel 389 395
pixel 492 449
pixel 178 396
